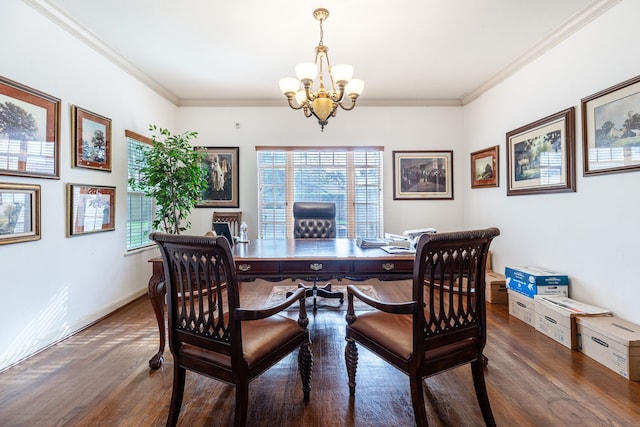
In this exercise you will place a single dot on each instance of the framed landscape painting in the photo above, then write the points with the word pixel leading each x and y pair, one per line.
pixel 222 166
pixel 29 131
pixel 91 134
pixel 541 155
pixel 611 129
pixel 90 209
pixel 19 213
pixel 485 167
pixel 422 175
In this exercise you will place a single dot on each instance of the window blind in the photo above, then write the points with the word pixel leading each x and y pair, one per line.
pixel 351 177
pixel 140 208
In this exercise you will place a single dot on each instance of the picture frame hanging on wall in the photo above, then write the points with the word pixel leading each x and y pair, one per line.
pixel 19 213
pixel 91 136
pixel 611 129
pixel 485 166
pixel 90 209
pixel 223 177
pixel 423 175
pixel 29 131
pixel 541 155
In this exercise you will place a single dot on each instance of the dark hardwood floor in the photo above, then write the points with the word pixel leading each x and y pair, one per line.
pixel 100 377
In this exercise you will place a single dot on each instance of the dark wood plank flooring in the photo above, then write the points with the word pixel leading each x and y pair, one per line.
pixel 100 377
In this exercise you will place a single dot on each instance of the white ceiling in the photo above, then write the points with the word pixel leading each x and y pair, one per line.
pixel 408 52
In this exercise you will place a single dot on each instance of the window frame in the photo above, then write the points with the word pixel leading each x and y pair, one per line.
pixel 146 202
pixel 354 209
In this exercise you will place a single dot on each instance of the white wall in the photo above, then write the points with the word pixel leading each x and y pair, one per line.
pixel 592 234
pixel 410 128
pixel 57 285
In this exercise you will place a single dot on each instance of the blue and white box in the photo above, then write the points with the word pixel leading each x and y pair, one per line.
pixel 532 281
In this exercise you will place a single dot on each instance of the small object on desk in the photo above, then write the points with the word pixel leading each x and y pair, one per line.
pixel 398 249
pixel 371 242
pixel 244 234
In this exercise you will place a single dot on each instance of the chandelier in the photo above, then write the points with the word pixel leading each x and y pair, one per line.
pixel 321 103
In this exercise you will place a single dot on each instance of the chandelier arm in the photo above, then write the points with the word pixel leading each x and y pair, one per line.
pixel 290 99
pixel 308 112
pixel 351 107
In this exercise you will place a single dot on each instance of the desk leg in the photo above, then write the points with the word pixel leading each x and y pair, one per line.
pixel 156 296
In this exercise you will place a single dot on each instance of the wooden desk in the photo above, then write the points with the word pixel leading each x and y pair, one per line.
pixel 319 259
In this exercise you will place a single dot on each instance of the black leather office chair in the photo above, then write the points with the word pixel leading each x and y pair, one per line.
pixel 316 220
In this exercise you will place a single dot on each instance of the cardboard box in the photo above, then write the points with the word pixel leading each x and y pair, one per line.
pixel 556 317
pixel 522 307
pixel 532 281
pixel 496 288
pixel 612 341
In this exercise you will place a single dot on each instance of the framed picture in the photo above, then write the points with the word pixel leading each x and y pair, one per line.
pixel 485 166
pixel 19 213
pixel 91 135
pixel 611 129
pixel 422 175
pixel 222 165
pixel 29 131
pixel 90 208
pixel 541 155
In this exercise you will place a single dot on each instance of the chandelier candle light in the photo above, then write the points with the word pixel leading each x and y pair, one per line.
pixel 321 103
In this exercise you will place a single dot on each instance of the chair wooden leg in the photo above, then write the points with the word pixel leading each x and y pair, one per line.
pixel 179 375
pixel 305 366
pixel 417 400
pixel 242 404
pixel 351 358
pixel 477 371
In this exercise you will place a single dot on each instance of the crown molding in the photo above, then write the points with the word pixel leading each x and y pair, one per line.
pixel 562 32
pixel 67 23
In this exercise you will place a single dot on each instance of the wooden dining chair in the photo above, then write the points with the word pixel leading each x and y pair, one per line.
pixel 233 218
pixel 211 334
pixel 442 327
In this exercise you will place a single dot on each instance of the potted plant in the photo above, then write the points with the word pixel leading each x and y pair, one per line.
pixel 172 174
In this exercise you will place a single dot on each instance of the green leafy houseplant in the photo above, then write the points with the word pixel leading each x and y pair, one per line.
pixel 172 174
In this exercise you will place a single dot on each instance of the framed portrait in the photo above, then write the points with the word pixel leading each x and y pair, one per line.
pixel 222 166
pixel 611 129
pixel 485 167
pixel 422 175
pixel 90 209
pixel 29 131
pixel 91 135
pixel 541 155
pixel 19 213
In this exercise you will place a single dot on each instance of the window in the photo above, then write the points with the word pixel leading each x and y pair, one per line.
pixel 140 208
pixel 349 176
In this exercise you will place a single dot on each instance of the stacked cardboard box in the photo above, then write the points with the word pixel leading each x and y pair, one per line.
pixel 555 316
pixel 496 288
pixel 532 281
pixel 522 307
pixel 612 341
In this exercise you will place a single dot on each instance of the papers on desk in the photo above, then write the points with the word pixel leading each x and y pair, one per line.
pixel 398 249
pixel 370 242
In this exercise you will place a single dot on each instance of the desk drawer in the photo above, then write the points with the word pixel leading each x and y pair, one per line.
pixel 387 266
pixel 256 267
pixel 320 266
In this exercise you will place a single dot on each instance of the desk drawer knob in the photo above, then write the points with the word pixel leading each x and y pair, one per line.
pixel 315 267
pixel 388 266
pixel 244 267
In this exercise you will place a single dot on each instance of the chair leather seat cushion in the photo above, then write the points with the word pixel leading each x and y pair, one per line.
pixel 392 331
pixel 259 338
pixel 395 333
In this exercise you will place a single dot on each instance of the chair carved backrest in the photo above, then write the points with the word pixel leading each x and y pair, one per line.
pixel 233 218
pixel 314 220
pixel 209 333
pixel 448 282
pixel 203 293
